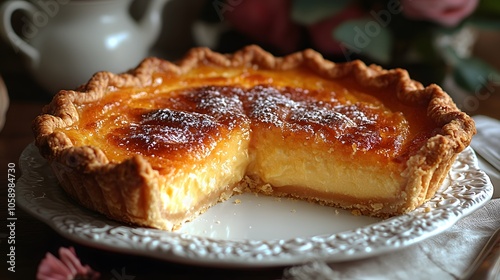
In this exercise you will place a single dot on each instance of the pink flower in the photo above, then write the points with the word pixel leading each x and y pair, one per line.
pixel 321 32
pixel 67 267
pixel 266 22
pixel 445 12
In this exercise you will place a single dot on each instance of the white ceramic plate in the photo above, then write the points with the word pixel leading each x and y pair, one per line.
pixel 256 231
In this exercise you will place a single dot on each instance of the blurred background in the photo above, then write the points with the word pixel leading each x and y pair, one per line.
pixel 47 45
pixel 453 43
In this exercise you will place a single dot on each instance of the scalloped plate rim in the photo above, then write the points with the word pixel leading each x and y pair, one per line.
pixel 244 262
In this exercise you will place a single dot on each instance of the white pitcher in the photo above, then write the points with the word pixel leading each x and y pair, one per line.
pixel 67 41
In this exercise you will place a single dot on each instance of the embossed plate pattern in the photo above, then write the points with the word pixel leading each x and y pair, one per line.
pixel 466 189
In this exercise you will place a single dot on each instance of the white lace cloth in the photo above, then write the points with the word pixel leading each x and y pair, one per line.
pixel 488 135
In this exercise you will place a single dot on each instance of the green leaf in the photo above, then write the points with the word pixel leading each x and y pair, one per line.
pixel 491 7
pixel 473 74
pixel 365 36
pixel 307 12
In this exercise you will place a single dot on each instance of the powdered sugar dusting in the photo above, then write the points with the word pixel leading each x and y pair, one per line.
pixel 168 130
pixel 197 117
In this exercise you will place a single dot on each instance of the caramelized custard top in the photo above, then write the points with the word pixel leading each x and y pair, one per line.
pixel 185 116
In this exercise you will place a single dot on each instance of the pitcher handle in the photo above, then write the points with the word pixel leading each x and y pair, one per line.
pixel 8 33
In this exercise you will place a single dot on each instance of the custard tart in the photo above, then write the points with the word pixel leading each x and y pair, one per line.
pixel 160 144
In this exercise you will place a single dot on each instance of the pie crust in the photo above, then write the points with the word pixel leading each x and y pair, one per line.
pixel 384 154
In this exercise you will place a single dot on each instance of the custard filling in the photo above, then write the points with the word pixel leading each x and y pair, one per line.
pixel 228 123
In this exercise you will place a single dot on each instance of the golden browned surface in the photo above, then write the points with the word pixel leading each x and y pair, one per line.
pixel 183 116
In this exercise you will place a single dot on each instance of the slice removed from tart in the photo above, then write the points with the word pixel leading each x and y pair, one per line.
pixel 160 144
